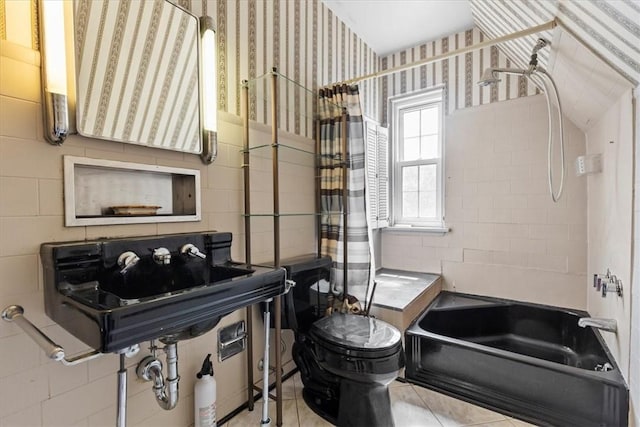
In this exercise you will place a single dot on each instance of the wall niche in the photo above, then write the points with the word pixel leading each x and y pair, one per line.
pixel 106 192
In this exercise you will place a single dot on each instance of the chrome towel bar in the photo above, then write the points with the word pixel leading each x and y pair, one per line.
pixel 15 313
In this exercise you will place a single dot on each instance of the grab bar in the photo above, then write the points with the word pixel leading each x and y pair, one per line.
pixel 15 313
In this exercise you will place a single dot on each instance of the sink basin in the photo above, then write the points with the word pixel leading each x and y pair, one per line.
pixel 148 280
pixel 87 293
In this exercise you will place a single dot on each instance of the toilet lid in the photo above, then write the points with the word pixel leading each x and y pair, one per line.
pixel 355 332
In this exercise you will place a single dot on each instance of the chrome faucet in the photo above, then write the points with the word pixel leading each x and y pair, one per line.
pixel 127 260
pixel 192 250
pixel 609 325
pixel 162 256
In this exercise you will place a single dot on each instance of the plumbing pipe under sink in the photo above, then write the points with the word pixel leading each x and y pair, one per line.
pixel 150 369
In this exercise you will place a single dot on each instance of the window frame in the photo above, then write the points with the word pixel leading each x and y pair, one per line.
pixel 398 105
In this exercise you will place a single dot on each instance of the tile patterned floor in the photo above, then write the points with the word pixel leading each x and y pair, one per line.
pixel 412 406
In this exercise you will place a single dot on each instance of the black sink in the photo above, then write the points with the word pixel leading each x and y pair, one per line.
pixel 87 293
pixel 148 280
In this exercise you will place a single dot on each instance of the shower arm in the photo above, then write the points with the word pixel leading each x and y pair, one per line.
pixel 542 79
pixel 512 71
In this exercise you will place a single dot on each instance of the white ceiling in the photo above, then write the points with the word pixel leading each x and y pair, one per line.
pixel 388 26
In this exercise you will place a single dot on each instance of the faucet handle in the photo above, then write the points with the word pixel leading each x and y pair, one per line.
pixel 127 260
pixel 612 285
pixel 599 281
pixel 162 256
pixel 191 250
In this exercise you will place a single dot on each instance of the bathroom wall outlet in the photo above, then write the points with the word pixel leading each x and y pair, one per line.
pixel 588 164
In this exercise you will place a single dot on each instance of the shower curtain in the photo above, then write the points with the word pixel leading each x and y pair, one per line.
pixel 331 104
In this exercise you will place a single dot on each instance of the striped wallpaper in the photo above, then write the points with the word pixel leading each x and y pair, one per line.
pixel 309 44
pixel 458 74
pixel 303 39
pixel 610 27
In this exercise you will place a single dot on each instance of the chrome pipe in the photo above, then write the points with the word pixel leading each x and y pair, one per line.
pixel 512 71
pixel 150 369
pixel 173 378
pixel 266 421
pixel 489 75
pixel 278 353
pixel 81 358
pixel 121 420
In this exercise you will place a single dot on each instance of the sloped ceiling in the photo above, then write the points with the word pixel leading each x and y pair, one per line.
pixel 388 26
pixel 594 55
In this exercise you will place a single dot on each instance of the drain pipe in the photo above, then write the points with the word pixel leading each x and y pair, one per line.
pixel 150 369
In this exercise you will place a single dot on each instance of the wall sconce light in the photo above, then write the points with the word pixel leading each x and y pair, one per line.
pixel 208 58
pixel 54 71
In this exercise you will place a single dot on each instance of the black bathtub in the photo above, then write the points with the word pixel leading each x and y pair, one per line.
pixel 525 360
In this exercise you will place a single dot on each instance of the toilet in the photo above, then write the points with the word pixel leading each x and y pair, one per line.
pixel 346 361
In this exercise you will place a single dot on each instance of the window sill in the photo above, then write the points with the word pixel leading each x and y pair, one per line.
pixel 416 229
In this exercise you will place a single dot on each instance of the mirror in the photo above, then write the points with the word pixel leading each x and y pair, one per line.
pixel 137 73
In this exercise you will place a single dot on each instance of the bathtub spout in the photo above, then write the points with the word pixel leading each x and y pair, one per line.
pixel 596 322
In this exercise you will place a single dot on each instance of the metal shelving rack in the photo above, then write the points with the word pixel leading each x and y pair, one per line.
pixel 276 214
pixel 247 229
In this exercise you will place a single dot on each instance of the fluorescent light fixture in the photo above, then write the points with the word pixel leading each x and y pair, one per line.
pixel 209 84
pixel 54 71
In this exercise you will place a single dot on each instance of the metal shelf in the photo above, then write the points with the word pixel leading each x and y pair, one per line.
pixel 260 96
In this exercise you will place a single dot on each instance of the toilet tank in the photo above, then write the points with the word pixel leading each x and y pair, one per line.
pixel 304 304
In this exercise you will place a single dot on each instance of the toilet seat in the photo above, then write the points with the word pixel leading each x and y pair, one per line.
pixel 357 336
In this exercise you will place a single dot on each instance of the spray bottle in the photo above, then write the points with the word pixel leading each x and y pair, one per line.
pixel 205 396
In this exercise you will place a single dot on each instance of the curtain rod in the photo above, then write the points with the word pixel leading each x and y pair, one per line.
pixel 533 30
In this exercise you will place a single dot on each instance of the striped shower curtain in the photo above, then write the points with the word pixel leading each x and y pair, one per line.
pixel 331 104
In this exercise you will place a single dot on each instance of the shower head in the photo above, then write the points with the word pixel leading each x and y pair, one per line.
pixel 488 77
pixel 540 44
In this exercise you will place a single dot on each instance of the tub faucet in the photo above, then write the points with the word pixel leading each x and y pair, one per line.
pixel 596 322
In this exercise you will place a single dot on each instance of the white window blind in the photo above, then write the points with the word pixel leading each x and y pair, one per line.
pixel 377 173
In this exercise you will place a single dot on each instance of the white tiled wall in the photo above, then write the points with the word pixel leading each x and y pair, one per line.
pixel 507 238
pixel 35 391
pixel 610 221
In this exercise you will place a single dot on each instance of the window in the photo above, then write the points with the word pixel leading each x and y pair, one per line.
pixel 417 159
